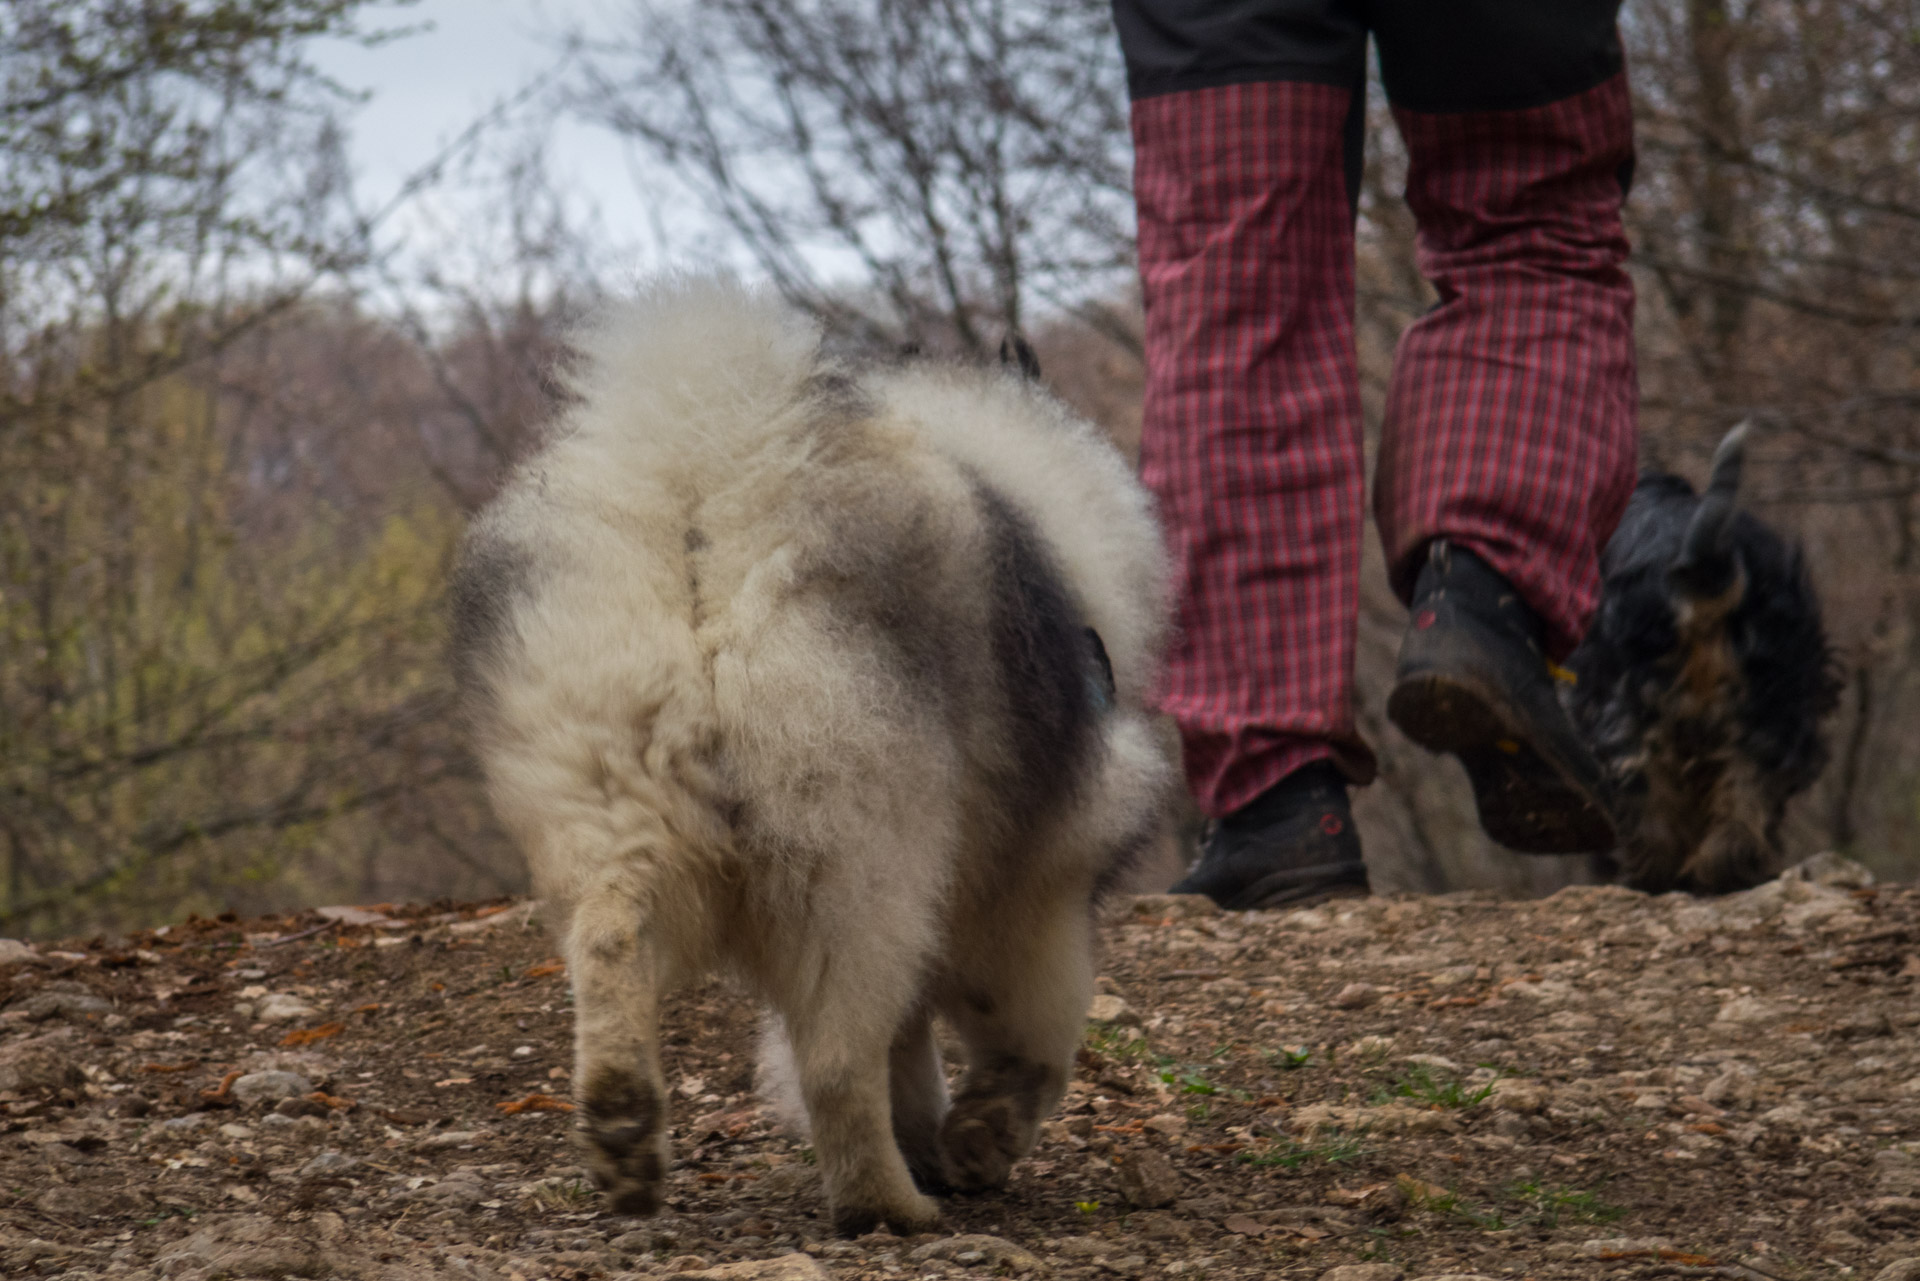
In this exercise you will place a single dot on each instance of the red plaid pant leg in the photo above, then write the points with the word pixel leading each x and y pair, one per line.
pixel 1251 438
pixel 1510 423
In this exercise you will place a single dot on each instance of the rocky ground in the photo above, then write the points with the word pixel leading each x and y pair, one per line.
pixel 1598 1084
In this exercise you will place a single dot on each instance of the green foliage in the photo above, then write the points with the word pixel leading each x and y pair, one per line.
pixel 1521 1204
pixel 1289 1058
pixel 1328 1147
pixel 1116 1042
pixel 1421 1085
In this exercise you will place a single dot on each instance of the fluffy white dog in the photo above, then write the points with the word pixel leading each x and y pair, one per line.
pixel 832 678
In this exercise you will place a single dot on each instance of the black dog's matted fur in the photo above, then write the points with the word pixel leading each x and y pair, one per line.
pixel 1703 683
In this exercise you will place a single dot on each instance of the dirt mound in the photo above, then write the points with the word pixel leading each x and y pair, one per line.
pixel 1596 1084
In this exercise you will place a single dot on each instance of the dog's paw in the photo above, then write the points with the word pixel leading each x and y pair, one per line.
pixel 979 1143
pixel 909 1217
pixel 623 1139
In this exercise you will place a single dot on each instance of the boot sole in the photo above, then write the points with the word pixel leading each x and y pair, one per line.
pixel 1527 801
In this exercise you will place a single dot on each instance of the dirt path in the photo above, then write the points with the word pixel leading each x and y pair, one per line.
pixel 1598 1084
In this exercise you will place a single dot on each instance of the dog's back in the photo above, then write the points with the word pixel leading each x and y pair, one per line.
pixel 807 673
pixel 1703 682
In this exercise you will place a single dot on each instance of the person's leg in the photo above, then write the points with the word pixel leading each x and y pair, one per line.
pixel 1510 423
pixel 1245 121
pixel 1246 124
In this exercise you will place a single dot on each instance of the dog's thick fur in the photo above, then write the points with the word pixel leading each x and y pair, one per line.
pixel 796 671
pixel 1703 683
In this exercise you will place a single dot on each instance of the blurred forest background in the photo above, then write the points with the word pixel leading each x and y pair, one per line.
pixel 242 419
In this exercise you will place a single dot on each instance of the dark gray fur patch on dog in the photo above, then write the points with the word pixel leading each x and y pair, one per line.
pixel 490 578
pixel 1044 661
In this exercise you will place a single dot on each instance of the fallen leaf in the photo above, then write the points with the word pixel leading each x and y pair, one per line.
pixel 334 1101
pixel 535 1103
pixel 224 1090
pixel 554 966
pixel 1244 1226
pixel 399 1117
pixel 307 1036
pixel 170 1067
pixel 371 1007
pixel 453 1080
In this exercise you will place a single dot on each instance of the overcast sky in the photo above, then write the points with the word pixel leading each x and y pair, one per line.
pixel 425 88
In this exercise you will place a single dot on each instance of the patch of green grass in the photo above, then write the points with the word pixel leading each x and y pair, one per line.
pixel 1289 1058
pixel 1198 1111
pixel 1188 1080
pixel 553 1195
pixel 1328 1148
pixel 1421 1085
pixel 1116 1042
pixel 1528 1203
pixel 1549 1204
pixel 1450 1205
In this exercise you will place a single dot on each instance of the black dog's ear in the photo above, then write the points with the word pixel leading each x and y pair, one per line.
pixel 1706 567
pixel 1015 350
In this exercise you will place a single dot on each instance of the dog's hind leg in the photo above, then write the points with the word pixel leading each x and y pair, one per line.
pixel 855 993
pixel 1020 1005
pixel 919 1095
pixel 615 963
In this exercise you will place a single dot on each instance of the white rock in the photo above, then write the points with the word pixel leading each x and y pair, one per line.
pixel 13 952
pixel 788 1267
pixel 1107 1008
pixel 280 1007
pixel 1835 871
pixel 1746 1009
pixel 257 1087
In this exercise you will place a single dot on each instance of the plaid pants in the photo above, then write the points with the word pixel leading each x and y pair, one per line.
pixel 1510 420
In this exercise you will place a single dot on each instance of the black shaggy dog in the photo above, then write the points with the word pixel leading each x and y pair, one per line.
pixel 1703 683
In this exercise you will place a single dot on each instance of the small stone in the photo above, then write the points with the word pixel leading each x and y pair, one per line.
pixel 1746 1009
pixel 356 916
pixel 1167 1124
pixel 1148 1180
pixel 975 1249
pixel 233 1131
pixel 1512 1094
pixel 1733 1088
pixel 1835 871
pixel 1363 1272
pixel 301 1106
pixel 279 1007
pixel 1174 906
pixel 186 1124
pixel 14 952
pixel 1355 996
pixel 1900 1270
pixel 788 1267
pixel 328 1162
pixel 451 1139
pixel 65 1001
pixel 1437 1062
pixel 1106 1008
pixel 261 1087
pixel 1455 1276
pixel 40 1063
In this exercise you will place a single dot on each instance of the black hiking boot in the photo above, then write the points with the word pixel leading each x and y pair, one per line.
pixel 1291 845
pixel 1473 680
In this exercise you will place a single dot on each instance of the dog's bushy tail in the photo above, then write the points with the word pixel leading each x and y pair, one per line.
pixel 1707 566
pixel 694 370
